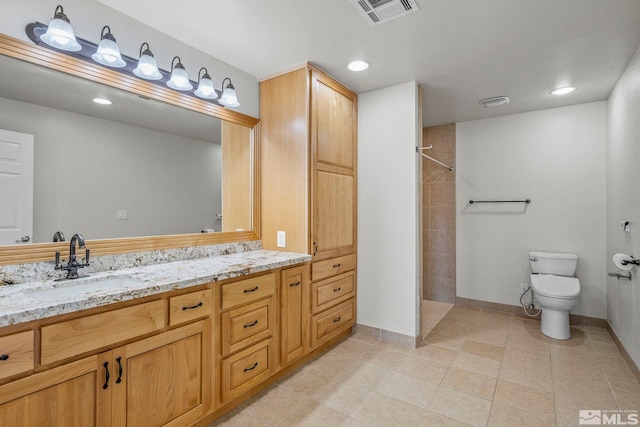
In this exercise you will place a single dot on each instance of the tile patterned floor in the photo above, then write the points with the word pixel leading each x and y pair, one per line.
pixel 475 368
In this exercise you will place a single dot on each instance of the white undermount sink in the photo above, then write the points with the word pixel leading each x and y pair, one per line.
pixel 82 287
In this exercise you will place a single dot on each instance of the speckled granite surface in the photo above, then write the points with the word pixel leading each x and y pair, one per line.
pixel 21 303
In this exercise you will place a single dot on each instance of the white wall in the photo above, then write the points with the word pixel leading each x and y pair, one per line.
pixel 388 132
pixel 623 202
pixel 556 158
pixel 87 168
pixel 89 16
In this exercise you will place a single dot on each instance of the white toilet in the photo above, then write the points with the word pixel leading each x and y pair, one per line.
pixel 555 289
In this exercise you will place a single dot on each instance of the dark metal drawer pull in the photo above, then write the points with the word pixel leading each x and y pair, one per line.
pixel 337 320
pixel 336 265
pixel 294 284
pixel 248 325
pixel 337 289
pixel 255 365
pixel 4 357
pixel 246 291
pixel 106 381
pixel 119 360
pixel 192 307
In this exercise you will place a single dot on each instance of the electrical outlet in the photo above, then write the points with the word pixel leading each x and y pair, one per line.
pixel 121 214
pixel 281 239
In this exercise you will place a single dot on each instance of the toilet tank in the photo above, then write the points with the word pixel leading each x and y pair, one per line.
pixel 558 263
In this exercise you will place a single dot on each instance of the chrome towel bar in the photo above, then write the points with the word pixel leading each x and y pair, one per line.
pixel 527 201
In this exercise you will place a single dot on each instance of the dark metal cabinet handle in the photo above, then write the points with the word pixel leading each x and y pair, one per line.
pixel 295 284
pixel 246 291
pixel 337 265
pixel 315 248
pixel 4 357
pixel 106 370
pixel 255 365
pixel 337 289
pixel 192 307
pixel 337 320
pixel 249 325
pixel 119 360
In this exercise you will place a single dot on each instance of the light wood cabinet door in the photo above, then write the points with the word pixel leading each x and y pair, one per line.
pixel 162 380
pixel 67 396
pixel 294 318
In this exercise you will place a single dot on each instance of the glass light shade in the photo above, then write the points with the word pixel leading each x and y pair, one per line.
pixel 108 53
pixel 205 88
pixel 229 98
pixel 147 67
pixel 60 33
pixel 179 79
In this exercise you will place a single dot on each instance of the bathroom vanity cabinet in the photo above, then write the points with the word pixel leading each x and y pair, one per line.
pixel 178 358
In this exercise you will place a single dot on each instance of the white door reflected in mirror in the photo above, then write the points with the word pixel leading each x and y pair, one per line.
pixel 16 187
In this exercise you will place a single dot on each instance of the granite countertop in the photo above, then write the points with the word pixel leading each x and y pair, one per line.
pixel 21 303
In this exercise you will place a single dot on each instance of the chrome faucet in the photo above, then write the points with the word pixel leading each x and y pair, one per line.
pixel 73 265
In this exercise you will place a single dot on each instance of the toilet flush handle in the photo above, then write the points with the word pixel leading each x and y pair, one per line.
pixel 534 259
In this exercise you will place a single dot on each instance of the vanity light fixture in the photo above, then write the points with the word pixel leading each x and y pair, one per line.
pixel 108 52
pixel 358 65
pixel 60 34
pixel 563 90
pixel 205 86
pixel 229 98
pixel 179 79
pixel 147 67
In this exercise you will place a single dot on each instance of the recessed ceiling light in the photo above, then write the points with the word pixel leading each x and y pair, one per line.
pixel 358 65
pixel 563 90
pixel 102 101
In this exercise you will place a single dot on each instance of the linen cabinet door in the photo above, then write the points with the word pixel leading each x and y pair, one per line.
pixel 294 314
pixel 160 381
pixel 68 396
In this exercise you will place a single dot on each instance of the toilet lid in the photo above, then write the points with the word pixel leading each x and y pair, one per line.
pixel 555 286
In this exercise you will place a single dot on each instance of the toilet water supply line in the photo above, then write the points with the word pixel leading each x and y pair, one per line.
pixel 530 306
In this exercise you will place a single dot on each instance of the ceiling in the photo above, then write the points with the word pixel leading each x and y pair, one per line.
pixel 460 51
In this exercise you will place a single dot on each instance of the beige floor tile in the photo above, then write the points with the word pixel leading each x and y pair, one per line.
pixel 601 337
pixel 469 382
pixel 461 406
pixel 627 401
pixel 316 415
pixel 507 416
pixel 352 347
pixel 367 375
pixel 306 381
pixel 580 394
pixel 385 357
pixel 536 377
pixel 515 358
pixel 587 370
pixel 437 420
pixel 585 354
pixel 364 338
pixel 435 353
pixel 275 404
pixel 346 397
pixel 523 398
pixel 604 349
pixel 384 411
pixel 387 346
pixel 494 338
pixel 482 349
pixel 478 364
pixel 445 339
pixel 241 419
pixel 329 366
pixel 408 389
pixel 422 369
pixel 527 344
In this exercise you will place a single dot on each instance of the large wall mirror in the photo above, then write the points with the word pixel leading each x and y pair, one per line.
pixel 153 170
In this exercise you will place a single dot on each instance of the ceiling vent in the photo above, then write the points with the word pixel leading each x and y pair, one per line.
pixel 494 102
pixel 380 11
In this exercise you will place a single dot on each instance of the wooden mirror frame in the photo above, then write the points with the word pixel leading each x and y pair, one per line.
pixel 18 254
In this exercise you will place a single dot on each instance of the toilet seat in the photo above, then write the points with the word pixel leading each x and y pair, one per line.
pixel 553 286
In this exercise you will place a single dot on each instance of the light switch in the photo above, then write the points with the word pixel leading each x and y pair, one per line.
pixel 121 214
pixel 281 239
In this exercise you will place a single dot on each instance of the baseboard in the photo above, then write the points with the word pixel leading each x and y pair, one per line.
pixel 387 336
pixel 625 354
pixel 574 319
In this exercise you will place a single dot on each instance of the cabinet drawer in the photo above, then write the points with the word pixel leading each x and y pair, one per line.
pixel 242 371
pixel 332 322
pixel 331 267
pixel 247 325
pixel 16 354
pixel 248 290
pixel 77 336
pixel 191 306
pixel 330 292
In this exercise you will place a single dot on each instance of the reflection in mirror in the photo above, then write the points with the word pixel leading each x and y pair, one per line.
pixel 137 167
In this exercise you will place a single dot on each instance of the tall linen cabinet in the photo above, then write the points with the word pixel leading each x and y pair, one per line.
pixel 309 189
